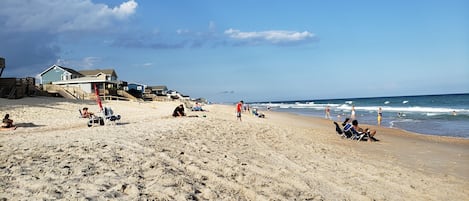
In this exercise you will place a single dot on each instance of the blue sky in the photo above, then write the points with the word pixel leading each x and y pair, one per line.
pixel 266 50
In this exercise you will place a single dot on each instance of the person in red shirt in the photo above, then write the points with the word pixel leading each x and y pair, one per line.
pixel 239 106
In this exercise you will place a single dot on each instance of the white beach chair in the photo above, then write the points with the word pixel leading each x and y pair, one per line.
pixel 110 117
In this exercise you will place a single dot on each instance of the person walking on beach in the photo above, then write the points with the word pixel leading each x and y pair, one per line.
pixel 328 112
pixel 239 107
pixel 352 115
pixel 380 116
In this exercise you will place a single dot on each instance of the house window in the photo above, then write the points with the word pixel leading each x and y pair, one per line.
pixel 66 76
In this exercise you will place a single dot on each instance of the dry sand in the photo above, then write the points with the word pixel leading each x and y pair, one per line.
pixel 150 155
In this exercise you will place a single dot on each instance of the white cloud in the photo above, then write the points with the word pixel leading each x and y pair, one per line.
pixel 182 31
pixel 125 9
pixel 148 64
pixel 274 36
pixel 62 15
pixel 83 63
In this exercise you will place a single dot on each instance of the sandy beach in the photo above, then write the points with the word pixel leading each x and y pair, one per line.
pixel 149 155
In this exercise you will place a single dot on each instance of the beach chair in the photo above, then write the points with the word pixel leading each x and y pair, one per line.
pixel 339 130
pixel 110 117
pixel 345 132
pixel 358 135
pixel 93 120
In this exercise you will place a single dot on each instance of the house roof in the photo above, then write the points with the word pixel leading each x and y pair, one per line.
pixel 162 87
pixel 98 71
pixel 63 68
pixel 129 83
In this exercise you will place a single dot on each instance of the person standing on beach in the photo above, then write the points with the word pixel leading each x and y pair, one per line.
pixel 380 116
pixel 328 112
pixel 352 115
pixel 239 107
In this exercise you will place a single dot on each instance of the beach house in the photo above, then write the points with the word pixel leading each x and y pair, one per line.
pixel 73 84
pixel 158 90
pixel 136 89
pixel 58 73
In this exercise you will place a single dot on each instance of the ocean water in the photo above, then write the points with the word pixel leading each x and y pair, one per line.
pixel 444 115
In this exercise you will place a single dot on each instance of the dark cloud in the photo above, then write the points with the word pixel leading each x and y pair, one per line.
pixel 30 29
pixel 27 54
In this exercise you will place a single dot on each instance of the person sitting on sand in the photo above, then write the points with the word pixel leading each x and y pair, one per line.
pixel 86 114
pixel 369 133
pixel 197 107
pixel 179 111
pixel 260 115
pixel 8 123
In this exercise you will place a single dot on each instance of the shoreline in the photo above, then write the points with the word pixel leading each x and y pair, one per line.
pixel 151 155
pixel 375 126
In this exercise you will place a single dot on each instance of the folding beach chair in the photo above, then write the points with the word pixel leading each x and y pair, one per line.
pixel 339 130
pixel 358 135
pixel 93 120
pixel 110 117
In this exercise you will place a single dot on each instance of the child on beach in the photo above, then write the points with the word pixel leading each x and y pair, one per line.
pixel 380 116
pixel 328 112
pixel 238 109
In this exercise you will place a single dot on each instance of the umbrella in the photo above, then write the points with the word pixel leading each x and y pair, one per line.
pixel 98 99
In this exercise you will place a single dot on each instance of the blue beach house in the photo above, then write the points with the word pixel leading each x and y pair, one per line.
pixel 58 73
pixel 79 84
pixel 135 89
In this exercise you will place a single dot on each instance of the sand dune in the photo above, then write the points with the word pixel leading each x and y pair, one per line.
pixel 150 155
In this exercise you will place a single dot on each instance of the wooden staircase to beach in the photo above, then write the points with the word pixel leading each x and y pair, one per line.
pixel 14 88
pixel 67 92
pixel 127 95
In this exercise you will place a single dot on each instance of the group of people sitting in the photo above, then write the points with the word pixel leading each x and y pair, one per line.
pixel 179 111
pixel 198 107
pixel 353 131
